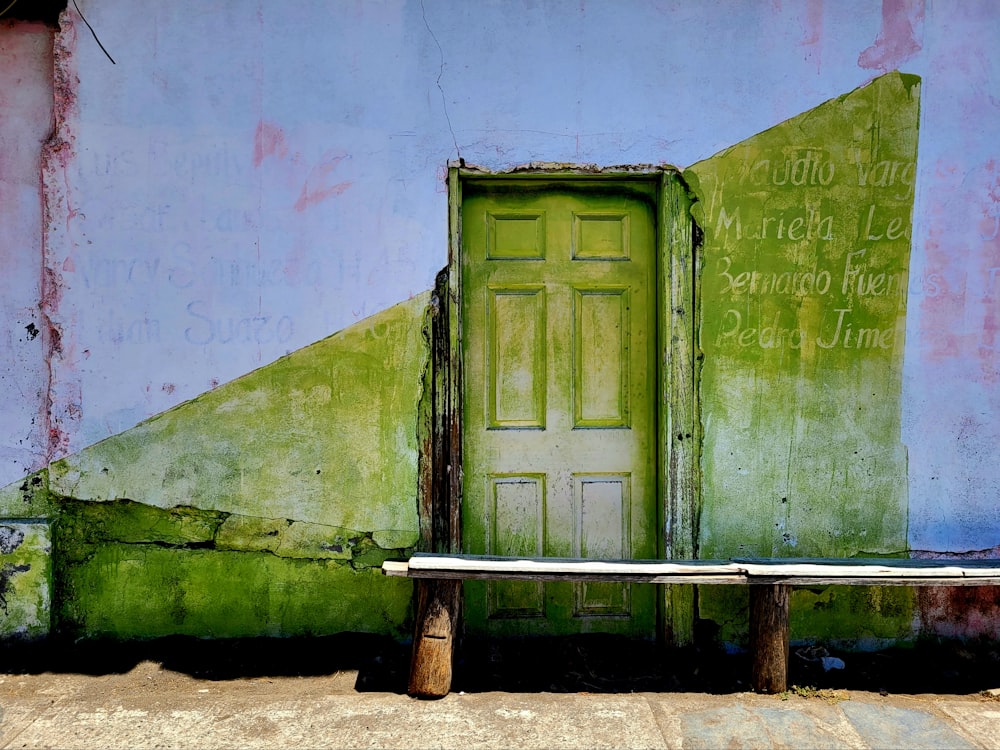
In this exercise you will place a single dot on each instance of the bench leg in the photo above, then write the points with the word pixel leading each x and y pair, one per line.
pixel 769 637
pixel 438 604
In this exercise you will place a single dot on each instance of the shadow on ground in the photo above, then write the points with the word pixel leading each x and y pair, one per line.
pixel 609 664
pixel 593 663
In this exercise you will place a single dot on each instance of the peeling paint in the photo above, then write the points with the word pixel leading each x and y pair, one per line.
pixel 10 539
pixel 25 580
pixel 27 498
pixel 7 572
pixel 959 611
pixel 125 569
pixel 87 523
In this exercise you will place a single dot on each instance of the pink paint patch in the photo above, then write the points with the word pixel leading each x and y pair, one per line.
pixel 317 188
pixel 897 40
pixel 268 140
pixel 68 265
pixel 960 304
pixel 812 26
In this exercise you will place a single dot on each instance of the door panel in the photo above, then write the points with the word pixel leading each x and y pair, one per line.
pixel 515 356
pixel 559 420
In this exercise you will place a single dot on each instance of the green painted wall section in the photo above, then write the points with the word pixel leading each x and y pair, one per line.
pixel 264 507
pixel 803 290
pixel 326 435
pixel 128 570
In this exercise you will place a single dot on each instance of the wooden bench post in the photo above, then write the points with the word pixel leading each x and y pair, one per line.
pixel 438 604
pixel 769 636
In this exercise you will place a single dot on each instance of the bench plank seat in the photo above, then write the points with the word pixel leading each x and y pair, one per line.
pixel 566 569
pixel 870 572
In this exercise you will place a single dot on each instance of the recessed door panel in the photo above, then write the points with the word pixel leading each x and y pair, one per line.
pixel 517 529
pixel 601 344
pixel 515 352
pixel 600 236
pixel 515 235
pixel 603 503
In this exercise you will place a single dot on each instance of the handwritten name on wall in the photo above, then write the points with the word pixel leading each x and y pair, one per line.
pixel 811 253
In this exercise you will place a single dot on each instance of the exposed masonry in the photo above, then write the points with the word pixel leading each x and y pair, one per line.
pixel 85 524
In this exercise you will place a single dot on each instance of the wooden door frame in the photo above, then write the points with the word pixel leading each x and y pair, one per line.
pixel 678 425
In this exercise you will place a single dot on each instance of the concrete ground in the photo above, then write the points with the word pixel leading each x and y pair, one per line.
pixel 204 695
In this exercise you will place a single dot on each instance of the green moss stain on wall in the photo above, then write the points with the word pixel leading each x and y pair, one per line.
pixel 804 278
pixel 130 591
pixel 860 616
pixel 326 435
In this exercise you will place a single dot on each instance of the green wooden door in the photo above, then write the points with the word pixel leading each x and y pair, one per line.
pixel 559 416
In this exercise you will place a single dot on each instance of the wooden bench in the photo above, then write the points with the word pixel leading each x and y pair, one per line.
pixel 439 580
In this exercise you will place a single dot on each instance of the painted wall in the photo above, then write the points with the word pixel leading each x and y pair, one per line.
pixel 248 179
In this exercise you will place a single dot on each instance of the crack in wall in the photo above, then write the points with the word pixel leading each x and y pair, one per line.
pixel 444 100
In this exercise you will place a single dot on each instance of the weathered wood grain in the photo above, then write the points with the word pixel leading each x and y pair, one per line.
pixel 769 637
pixel 679 421
pixel 438 607
pixel 758 572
